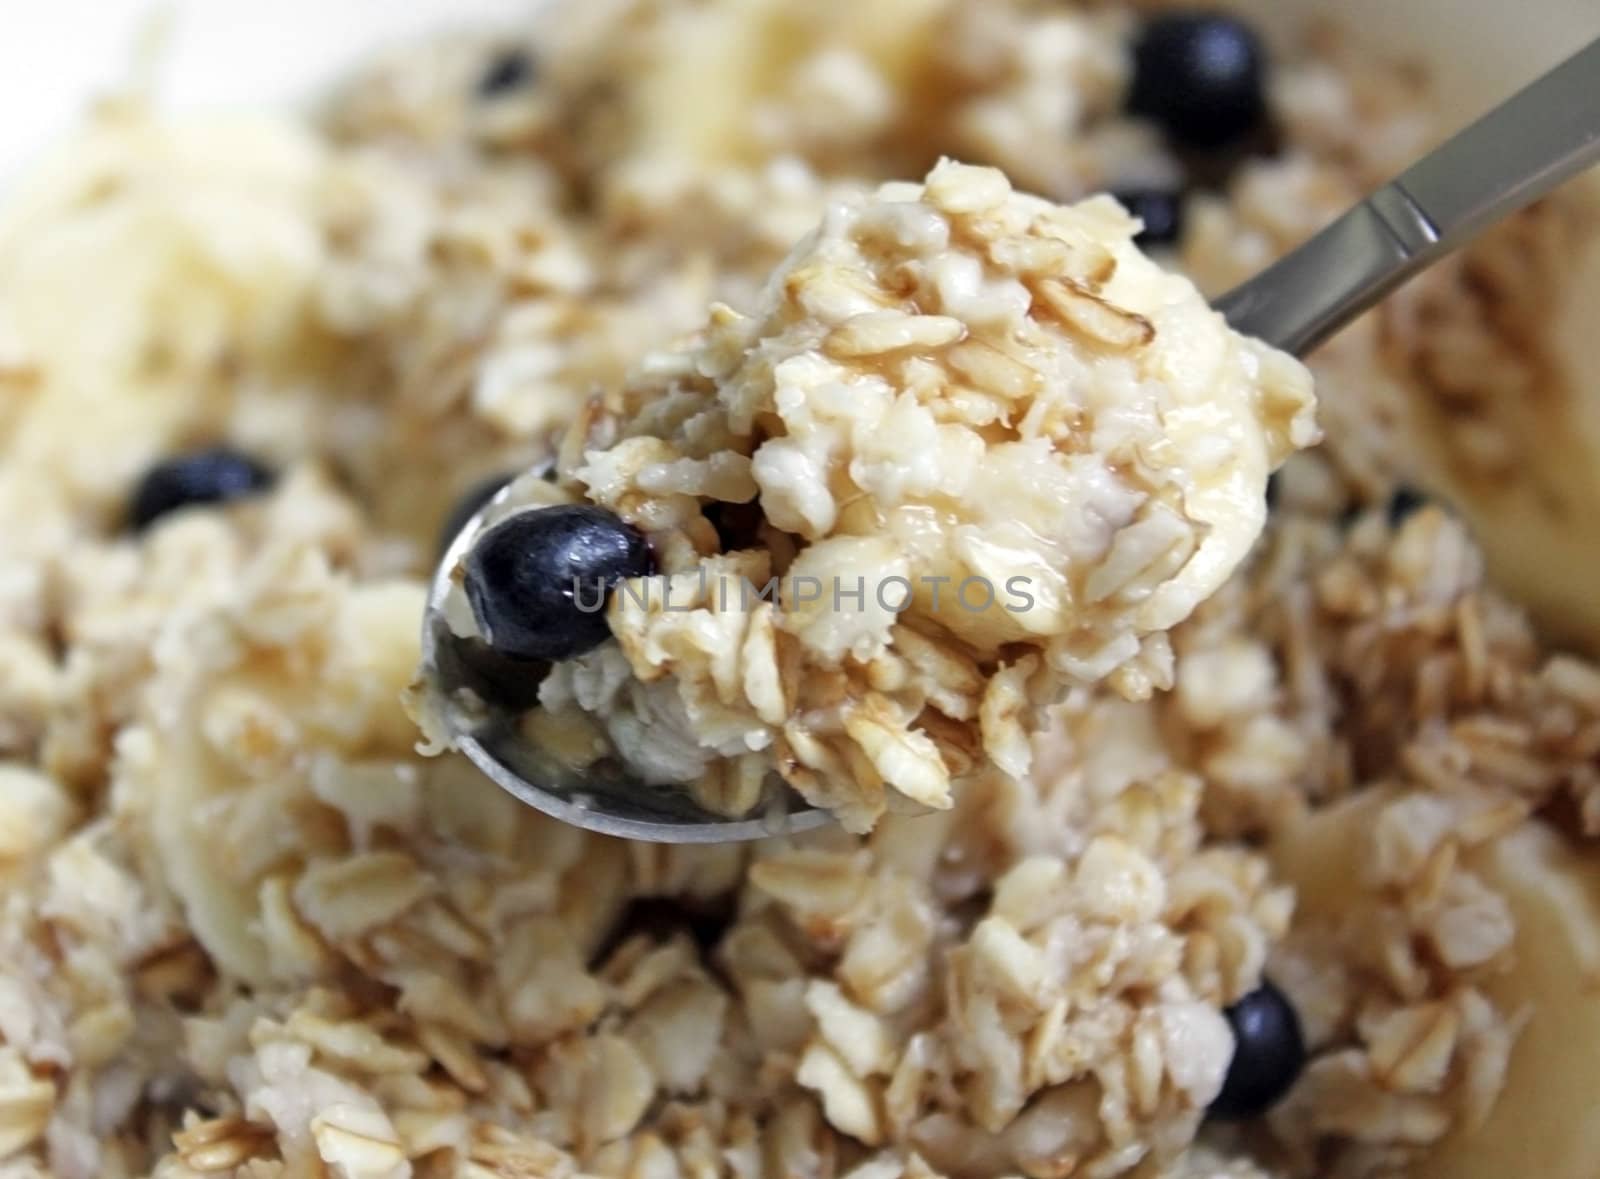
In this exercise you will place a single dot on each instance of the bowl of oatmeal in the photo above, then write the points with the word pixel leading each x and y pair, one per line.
pixel 1293 875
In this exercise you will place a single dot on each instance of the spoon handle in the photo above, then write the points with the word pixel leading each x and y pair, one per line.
pixel 1515 154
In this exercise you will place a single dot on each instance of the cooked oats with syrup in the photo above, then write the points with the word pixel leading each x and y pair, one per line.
pixel 985 451
pixel 1258 844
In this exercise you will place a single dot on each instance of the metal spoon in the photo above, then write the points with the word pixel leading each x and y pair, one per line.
pixel 1517 153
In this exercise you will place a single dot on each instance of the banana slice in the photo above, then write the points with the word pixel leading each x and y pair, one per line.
pixel 213 820
pixel 1543 1123
pixel 715 64
pixel 1522 463
pixel 183 785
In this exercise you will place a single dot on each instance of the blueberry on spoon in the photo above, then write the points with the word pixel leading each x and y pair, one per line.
pixel 538 581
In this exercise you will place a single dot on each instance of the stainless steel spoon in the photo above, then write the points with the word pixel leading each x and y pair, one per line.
pixel 1517 153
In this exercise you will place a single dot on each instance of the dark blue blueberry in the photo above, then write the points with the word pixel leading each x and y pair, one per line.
pixel 1201 76
pixel 510 70
pixel 468 505
pixel 1403 504
pixel 1268 1053
pixel 210 476
pixel 538 580
pixel 1161 210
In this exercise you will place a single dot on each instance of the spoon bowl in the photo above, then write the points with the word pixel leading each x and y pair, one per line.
pixel 601 796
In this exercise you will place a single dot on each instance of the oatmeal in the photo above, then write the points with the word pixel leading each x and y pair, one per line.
pixel 948 387
pixel 1295 879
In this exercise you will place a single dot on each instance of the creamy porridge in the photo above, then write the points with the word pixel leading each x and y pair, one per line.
pixel 1296 879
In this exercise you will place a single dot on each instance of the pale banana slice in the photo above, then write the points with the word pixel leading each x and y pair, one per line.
pixel 182 784
pixel 213 822
pixel 715 63
pixel 1523 466
pixel 1543 1123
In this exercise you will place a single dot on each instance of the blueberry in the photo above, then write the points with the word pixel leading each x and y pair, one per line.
pixel 1161 210
pixel 511 70
pixel 1201 77
pixel 468 505
pixel 538 580
pixel 1268 1054
pixel 1403 504
pixel 210 476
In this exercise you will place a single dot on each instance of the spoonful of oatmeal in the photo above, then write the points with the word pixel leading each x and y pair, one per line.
pixel 970 450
